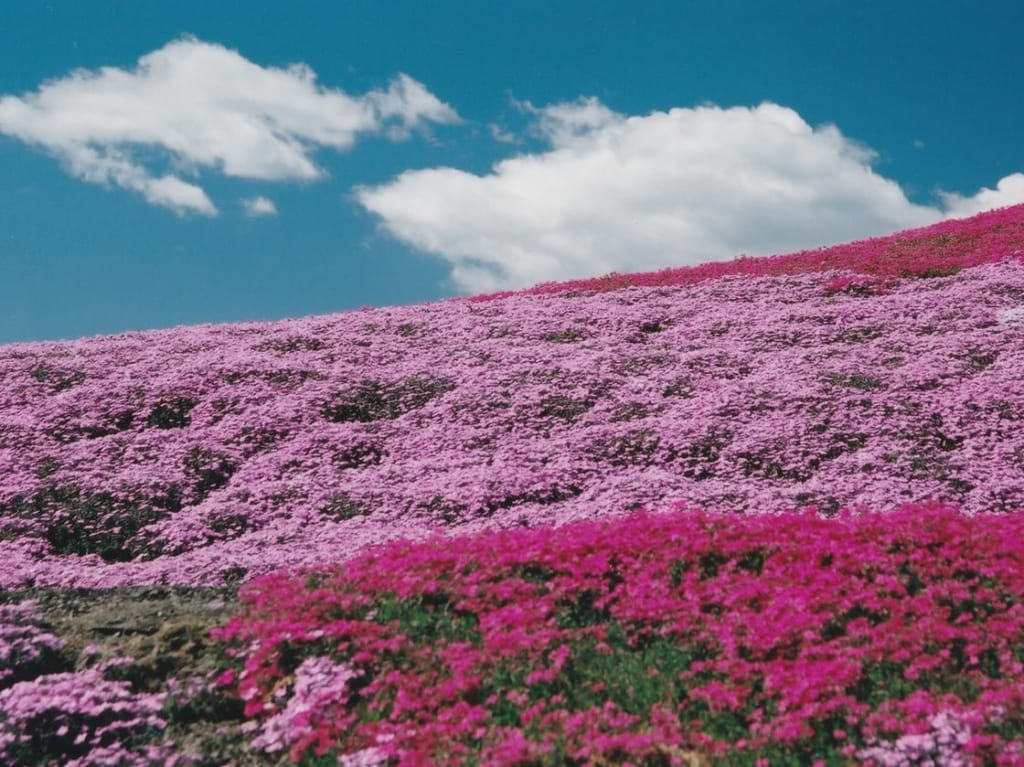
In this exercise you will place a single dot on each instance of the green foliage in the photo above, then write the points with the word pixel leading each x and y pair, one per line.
pixel 826 505
pixel 428 618
pixel 634 448
pixel 409 330
pixel 681 387
pixel 770 462
pixel 342 507
pixel 278 377
pixel 565 408
pixel 46 467
pixel 934 271
pixel 655 326
pixel 635 678
pixel 358 454
pixel 229 525
pixel 583 611
pixel 171 414
pixel 209 470
pixel 977 360
pixel 567 336
pixel 58 380
pixel 883 680
pixel 290 345
pixel 856 381
pixel 375 400
pixel 446 511
pixel 78 522
pixel 630 411
pixel 256 439
pixel 543 497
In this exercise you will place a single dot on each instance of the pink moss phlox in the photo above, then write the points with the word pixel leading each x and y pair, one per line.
pixel 794 622
pixel 945 247
pixel 25 642
pixel 208 454
pixel 79 718
pixel 861 376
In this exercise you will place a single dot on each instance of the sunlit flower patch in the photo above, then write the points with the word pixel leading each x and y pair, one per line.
pixel 652 639
pixel 187 456
pixel 747 619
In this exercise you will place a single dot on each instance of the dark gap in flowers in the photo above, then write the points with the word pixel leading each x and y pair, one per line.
pixel 77 522
pixel 376 400
pixel 209 470
pixel 567 409
pixel 342 507
pixel 58 380
pixel 290 345
pixel 171 414
pixel 568 336
pixel 359 454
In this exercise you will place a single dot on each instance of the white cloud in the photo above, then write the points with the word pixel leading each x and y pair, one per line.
pixel 618 193
pixel 1009 191
pixel 202 106
pixel 502 136
pixel 112 166
pixel 562 124
pixel 259 206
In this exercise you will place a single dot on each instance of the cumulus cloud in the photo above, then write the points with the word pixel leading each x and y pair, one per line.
pixel 562 124
pixel 1009 191
pixel 259 206
pixel 195 106
pixel 626 193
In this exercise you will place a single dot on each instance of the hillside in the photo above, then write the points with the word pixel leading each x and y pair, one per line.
pixel 180 456
pixel 867 376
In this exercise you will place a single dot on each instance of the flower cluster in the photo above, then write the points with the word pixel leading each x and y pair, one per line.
pixel 26 646
pixel 943 744
pixel 80 719
pixel 885 637
pixel 50 715
pixel 203 455
pixel 319 685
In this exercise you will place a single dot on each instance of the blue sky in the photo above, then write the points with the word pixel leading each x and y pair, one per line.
pixel 180 163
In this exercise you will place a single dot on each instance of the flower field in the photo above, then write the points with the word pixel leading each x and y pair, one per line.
pixel 763 639
pixel 434 515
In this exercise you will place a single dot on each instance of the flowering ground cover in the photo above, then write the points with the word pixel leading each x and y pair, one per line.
pixel 75 718
pixel 185 456
pixel 757 639
pixel 875 376
pixel 943 248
